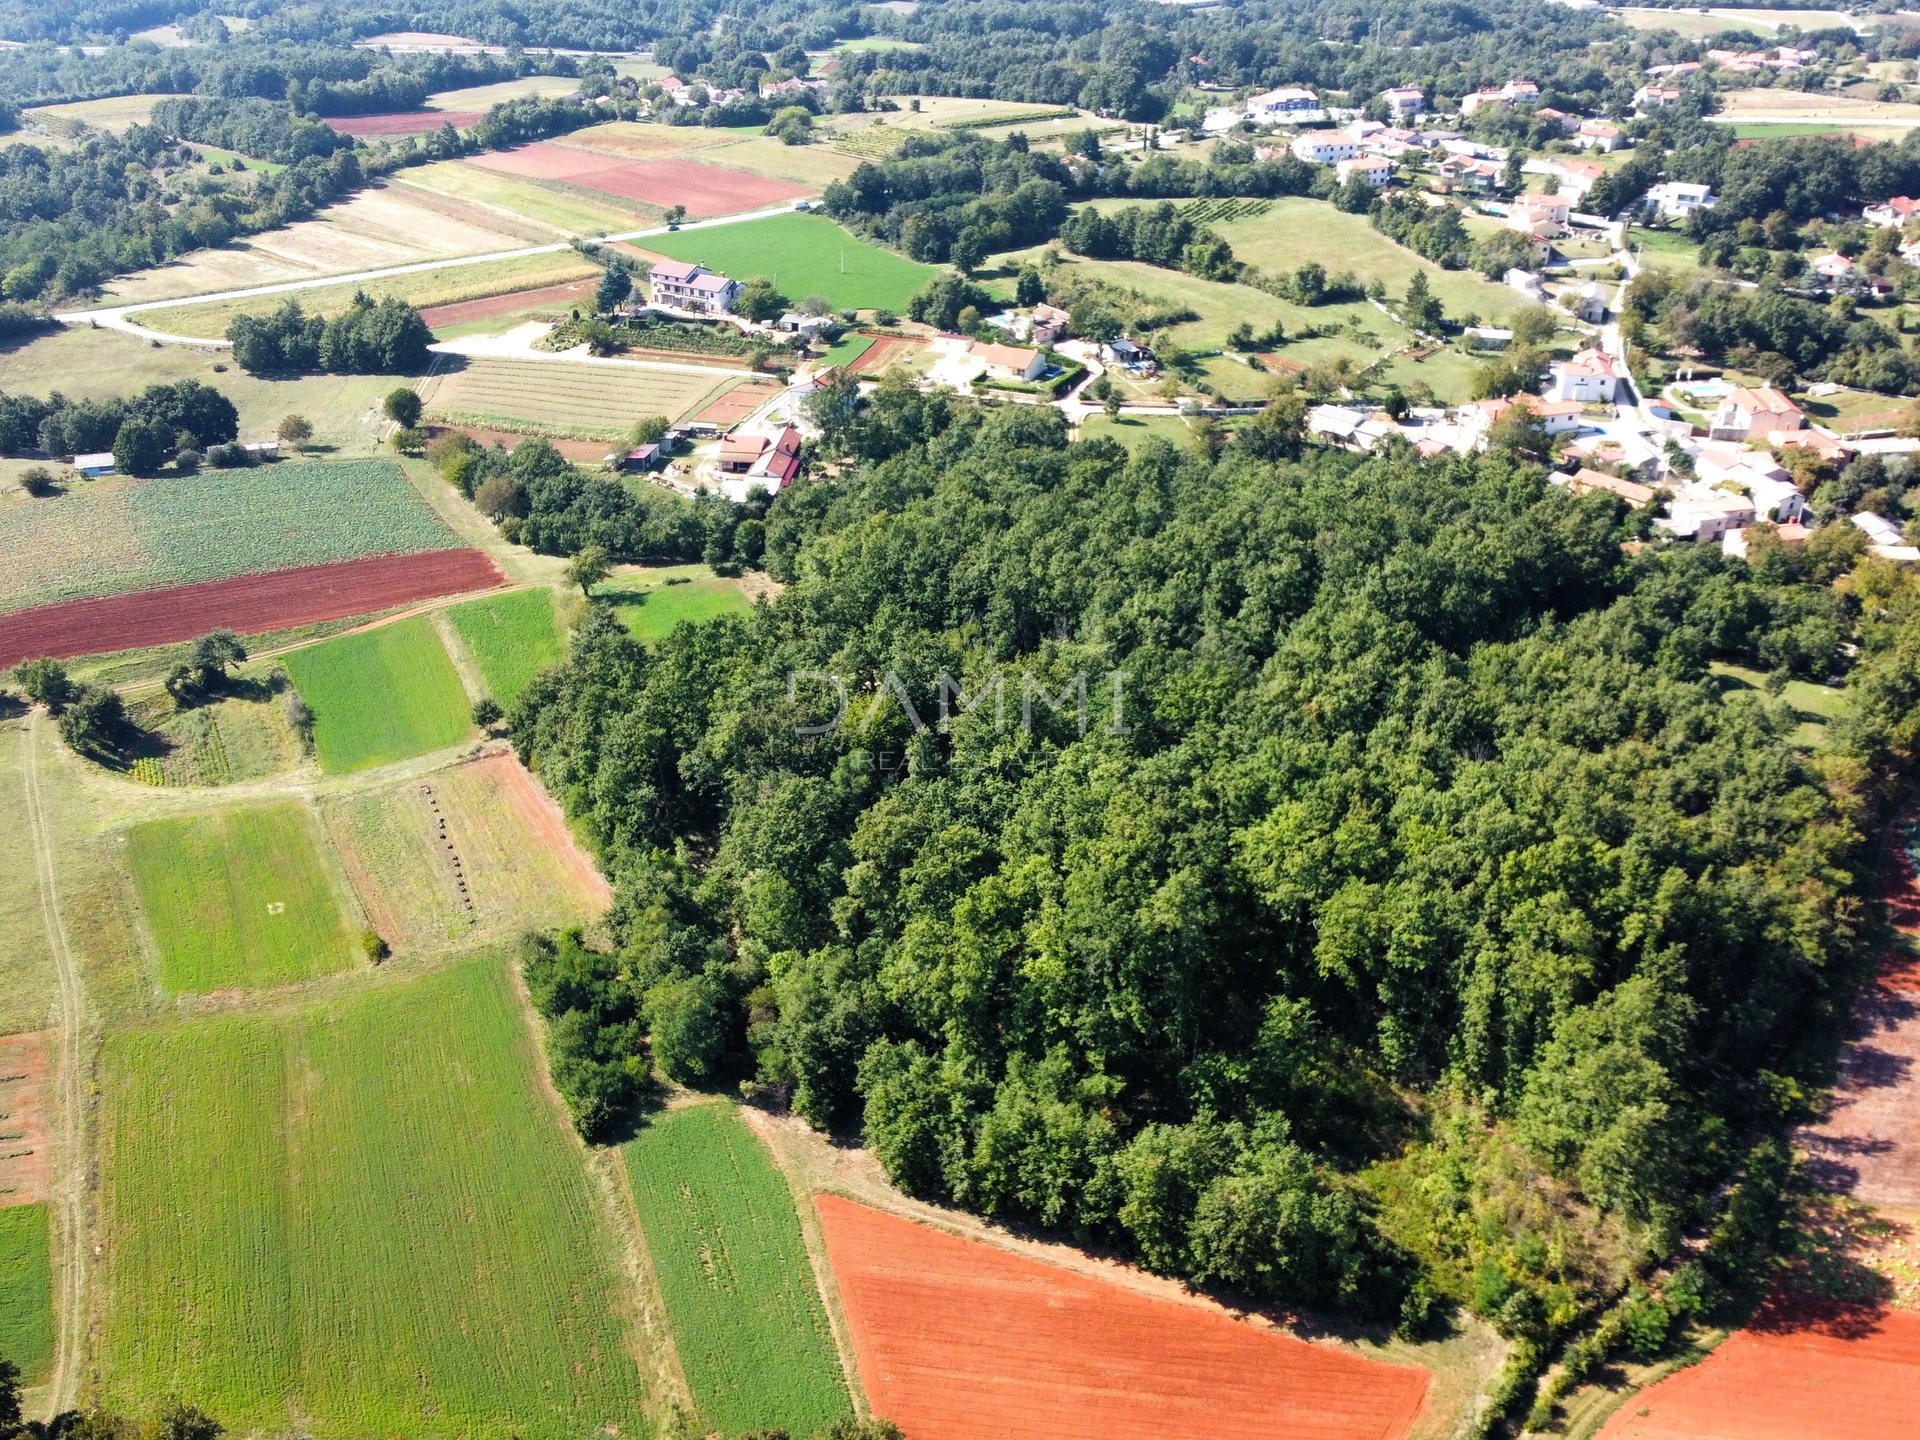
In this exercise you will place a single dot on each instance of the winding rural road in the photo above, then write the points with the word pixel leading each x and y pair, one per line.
pixel 69 1187
pixel 118 317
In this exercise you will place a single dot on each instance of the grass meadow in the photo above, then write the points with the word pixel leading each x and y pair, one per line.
pixel 26 1290
pixel 803 255
pixel 650 608
pixel 239 897
pixel 380 695
pixel 740 1294
pixel 511 637
pixel 358 1218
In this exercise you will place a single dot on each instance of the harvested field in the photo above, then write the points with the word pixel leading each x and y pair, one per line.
pixel 1829 1373
pixel 485 97
pixel 120 536
pixel 958 1340
pixel 461 312
pixel 578 399
pixel 581 452
pixel 740 1293
pixel 252 604
pixel 488 825
pixel 634 141
pixel 238 898
pixel 512 638
pixel 26 1161
pixel 703 189
pixel 734 406
pixel 410 122
pixel 358 1217
pixel 380 695
pixel 114 113
pixel 814 165
pixel 26 1291
pixel 371 229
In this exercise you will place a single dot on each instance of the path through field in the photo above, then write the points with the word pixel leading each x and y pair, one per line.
pixel 957 1340
pixel 69 1116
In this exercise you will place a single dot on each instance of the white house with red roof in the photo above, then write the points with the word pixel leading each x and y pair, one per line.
pixel 1590 376
pixel 1754 414
pixel 1896 211
pixel 686 286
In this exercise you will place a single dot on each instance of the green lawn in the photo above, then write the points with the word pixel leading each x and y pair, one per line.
pixel 512 638
pixel 1664 249
pixel 848 349
pixel 1130 430
pixel 803 255
pixel 26 1290
pixel 1813 705
pixel 380 695
pixel 649 607
pixel 740 1294
pixel 238 897
pixel 357 1218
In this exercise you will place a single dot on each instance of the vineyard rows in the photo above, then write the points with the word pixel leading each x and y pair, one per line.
pixel 1219 212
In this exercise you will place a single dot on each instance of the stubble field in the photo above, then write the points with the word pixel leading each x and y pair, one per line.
pixel 358 1218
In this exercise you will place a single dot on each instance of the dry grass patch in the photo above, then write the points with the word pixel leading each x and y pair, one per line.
pixel 560 397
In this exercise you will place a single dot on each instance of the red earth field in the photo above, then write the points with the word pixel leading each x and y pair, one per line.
pixel 881 354
pixel 249 603
pixel 958 1340
pixel 411 122
pixel 541 816
pixel 26 1158
pixel 735 405
pixel 1835 1374
pixel 462 311
pixel 703 189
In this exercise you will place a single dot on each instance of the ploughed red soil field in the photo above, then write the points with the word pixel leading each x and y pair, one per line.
pixel 410 122
pixel 881 354
pixel 461 311
pixel 959 1340
pixel 703 189
pixel 26 1157
pixel 250 604
pixel 1825 1373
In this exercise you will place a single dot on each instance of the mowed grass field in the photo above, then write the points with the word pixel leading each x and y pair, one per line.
pixel 740 1294
pixel 381 695
pixel 238 898
pixel 116 537
pixel 358 1218
pixel 803 255
pixel 511 637
pixel 650 608
pixel 423 288
pixel 572 399
pixel 26 1290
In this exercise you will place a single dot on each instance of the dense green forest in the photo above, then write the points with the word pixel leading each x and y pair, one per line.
pixel 1228 860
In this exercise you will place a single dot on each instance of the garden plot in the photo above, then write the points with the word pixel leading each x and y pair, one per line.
pixel 240 897
pixel 362 1217
pixel 372 229
pixel 561 397
pixel 121 536
pixel 740 1293
pixel 380 695
pixel 462 854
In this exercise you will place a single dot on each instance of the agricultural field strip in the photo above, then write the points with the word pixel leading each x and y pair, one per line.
pixel 480 347
pixel 117 315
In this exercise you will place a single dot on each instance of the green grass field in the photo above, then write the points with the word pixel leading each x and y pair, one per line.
pixel 238 897
pixel 118 536
pixel 649 608
pixel 512 637
pixel 733 1271
pixel 357 1218
pixel 26 1290
pixel 848 349
pixel 380 695
pixel 803 255
pixel 1131 430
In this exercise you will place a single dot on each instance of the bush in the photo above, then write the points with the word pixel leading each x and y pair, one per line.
pixel 373 947
pixel 94 723
pixel 402 406
pixel 486 711
pixel 37 480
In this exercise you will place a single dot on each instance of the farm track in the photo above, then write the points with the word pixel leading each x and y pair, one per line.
pixel 69 1124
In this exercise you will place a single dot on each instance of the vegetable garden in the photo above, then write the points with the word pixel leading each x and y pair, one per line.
pixel 566 398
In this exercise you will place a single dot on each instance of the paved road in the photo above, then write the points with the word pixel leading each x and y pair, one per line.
pixel 117 317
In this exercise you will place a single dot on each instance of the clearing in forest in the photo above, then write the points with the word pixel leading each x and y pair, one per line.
pixel 463 853
pixel 361 1217
pixel 740 1293
pixel 240 897
pixel 959 1340
pixel 26 1290
pixel 512 638
pixel 380 695
pixel 651 605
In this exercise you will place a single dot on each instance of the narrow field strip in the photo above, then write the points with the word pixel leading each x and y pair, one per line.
pixel 740 1295
pixel 251 604
pixel 359 1218
pixel 26 1290
pixel 703 189
pixel 959 1340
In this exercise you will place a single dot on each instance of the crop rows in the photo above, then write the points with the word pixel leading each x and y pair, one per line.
pixel 596 401
pixel 1022 117
pixel 120 537
pixel 357 1218
pixel 1219 212
pixel 740 1294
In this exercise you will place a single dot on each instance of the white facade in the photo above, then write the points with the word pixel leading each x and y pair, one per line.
pixel 1379 172
pixel 1677 199
pixel 1325 147
pixel 1404 100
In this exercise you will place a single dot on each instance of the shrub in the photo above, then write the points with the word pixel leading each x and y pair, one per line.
pixel 486 711
pixel 373 947
pixel 402 406
pixel 45 682
pixel 95 723
pixel 37 480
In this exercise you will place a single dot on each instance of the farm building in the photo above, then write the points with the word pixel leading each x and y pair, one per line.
pixel 94 466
